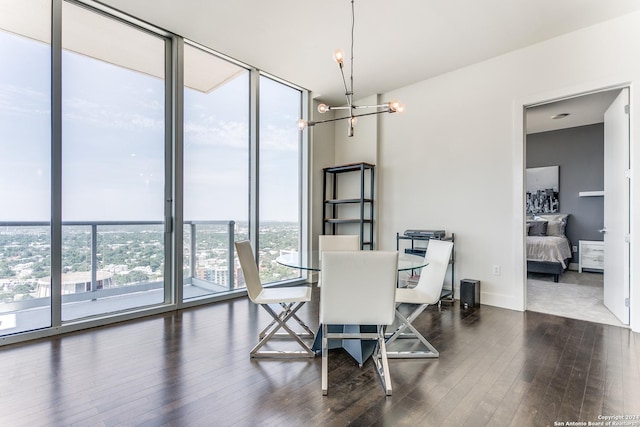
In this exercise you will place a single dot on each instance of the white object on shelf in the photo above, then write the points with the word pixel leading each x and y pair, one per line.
pixel 590 255
pixel 590 193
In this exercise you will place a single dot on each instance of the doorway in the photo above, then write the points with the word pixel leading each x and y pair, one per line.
pixel 578 135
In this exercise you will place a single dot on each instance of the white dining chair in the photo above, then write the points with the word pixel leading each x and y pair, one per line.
pixel 426 292
pixel 290 299
pixel 338 242
pixel 358 289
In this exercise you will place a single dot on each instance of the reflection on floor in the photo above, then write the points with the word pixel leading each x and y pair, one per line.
pixel 576 295
pixel 39 314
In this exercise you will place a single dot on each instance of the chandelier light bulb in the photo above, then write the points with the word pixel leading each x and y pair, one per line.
pixel 302 124
pixel 323 108
pixel 338 56
pixel 395 106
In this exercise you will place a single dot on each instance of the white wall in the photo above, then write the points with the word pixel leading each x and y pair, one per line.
pixel 323 155
pixel 362 146
pixel 455 159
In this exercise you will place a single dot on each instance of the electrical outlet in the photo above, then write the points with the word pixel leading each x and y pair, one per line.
pixel 575 249
pixel 496 270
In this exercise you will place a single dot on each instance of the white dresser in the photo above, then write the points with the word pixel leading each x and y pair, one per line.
pixel 591 255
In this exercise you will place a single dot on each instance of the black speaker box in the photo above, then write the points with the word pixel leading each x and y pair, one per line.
pixel 469 293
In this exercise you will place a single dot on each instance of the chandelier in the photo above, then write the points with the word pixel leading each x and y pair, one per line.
pixel 388 107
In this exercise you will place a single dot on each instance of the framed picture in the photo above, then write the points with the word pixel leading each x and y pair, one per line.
pixel 543 190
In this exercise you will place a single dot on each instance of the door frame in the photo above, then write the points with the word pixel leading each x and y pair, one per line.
pixel 520 107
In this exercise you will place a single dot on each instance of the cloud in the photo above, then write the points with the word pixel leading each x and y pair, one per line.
pixel 279 138
pixel 105 116
pixel 231 134
pixel 16 99
pixel 217 177
pixel 235 134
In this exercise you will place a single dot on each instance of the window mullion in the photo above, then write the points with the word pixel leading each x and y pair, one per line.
pixel 56 163
pixel 254 160
pixel 175 169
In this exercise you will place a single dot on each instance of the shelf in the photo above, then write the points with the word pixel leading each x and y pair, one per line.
pixel 401 237
pixel 447 294
pixel 590 193
pixel 363 202
pixel 346 220
pixel 342 201
pixel 416 251
pixel 348 168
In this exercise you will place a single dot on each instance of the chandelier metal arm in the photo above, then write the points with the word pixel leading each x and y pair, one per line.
pixel 313 123
pixel 355 107
pixel 385 105
pixel 347 93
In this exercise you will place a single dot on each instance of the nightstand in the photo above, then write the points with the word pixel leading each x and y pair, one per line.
pixel 591 255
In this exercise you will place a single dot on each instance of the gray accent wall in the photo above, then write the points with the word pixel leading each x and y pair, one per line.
pixel 579 152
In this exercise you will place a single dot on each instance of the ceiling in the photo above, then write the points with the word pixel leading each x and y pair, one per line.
pixel 396 43
pixel 582 110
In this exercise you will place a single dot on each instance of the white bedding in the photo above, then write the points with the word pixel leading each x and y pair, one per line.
pixel 548 248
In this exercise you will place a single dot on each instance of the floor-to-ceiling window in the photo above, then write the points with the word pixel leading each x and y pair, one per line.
pixel 216 170
pixel 113 162
pixel 25 165
pixel 280 177
pixel 101 156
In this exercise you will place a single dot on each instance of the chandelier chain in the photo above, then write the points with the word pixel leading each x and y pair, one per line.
pixel 353 25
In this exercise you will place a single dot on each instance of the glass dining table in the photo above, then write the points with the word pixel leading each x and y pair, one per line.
pixel 312 261
pixel 359 350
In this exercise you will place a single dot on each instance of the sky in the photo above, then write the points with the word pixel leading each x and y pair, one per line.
pixel 113 142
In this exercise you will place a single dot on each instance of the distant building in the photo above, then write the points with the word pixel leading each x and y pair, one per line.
pixel 217 275
pixel 75 282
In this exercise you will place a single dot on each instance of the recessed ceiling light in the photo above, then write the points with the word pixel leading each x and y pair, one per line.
pixel 560 116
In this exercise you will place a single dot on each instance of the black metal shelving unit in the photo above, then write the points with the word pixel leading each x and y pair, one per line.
pixel 332 202
pixel 447 293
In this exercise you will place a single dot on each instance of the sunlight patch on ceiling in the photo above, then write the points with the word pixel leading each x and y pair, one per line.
pixel 97 36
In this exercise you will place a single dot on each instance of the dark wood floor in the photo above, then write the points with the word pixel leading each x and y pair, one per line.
pixel 497 368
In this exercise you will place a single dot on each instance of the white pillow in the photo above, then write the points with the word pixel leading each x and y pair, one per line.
pixel 555 228
pixel 552 217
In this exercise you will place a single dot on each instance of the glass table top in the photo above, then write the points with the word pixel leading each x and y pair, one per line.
pixel 312 262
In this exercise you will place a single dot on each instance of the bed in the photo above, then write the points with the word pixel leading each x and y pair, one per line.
pixel 548 248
